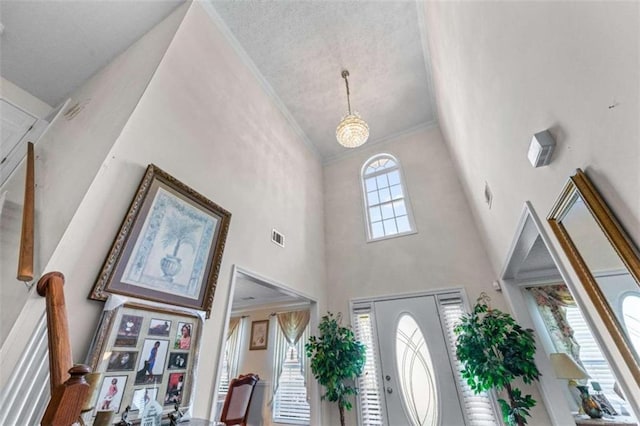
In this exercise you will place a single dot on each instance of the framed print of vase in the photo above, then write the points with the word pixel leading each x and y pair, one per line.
pixel 169 247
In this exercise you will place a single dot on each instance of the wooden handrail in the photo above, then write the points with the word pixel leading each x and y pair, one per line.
pixel 60 359
pixel 69 389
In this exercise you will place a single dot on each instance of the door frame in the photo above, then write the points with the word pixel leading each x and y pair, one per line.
pixel 313 388
pixel 369 301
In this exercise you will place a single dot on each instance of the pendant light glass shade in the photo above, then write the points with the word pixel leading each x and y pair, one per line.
pixel 352 131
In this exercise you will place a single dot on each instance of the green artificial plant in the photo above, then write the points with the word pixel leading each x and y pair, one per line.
pixel 495 351
pixel 337 359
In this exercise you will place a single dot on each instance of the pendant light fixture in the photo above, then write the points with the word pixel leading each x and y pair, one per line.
pixel 352 131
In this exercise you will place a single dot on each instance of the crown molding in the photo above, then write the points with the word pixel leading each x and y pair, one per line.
pixel 262 81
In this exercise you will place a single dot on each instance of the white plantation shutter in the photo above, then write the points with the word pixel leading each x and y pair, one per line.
pixel 369 399
pixel 479 408
pixel 590 355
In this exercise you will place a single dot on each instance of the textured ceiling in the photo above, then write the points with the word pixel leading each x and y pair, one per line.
pixel 300 49
pixel 49 48
pixel 251 293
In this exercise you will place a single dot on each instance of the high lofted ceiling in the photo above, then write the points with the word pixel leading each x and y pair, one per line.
pixel 49 48
pixel 297 50
pixel 300 48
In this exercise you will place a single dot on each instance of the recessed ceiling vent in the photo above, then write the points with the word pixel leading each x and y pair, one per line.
pixel 277 237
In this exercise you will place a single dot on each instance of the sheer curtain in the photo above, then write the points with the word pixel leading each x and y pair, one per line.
pixel 234 337
pixel 552 301
pixel 289 327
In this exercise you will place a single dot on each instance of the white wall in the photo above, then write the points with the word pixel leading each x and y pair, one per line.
pixel 23 99
pixel 69 155
pixel 506 70
pixel 204 119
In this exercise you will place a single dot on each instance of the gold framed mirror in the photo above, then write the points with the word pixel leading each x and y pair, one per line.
pixel 605 260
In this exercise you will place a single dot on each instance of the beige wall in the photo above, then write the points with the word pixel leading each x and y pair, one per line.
pixel 205 119
pixel 446 252
pixel 68 157
pixel 506 70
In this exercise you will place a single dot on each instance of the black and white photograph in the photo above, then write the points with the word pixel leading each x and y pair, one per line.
pixel 178 360
pixel 122 361
pixel 159 327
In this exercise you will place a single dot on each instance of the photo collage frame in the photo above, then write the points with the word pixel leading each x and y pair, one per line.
pixel 145 353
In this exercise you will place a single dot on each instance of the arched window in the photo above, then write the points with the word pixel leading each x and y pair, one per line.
pixel 385 198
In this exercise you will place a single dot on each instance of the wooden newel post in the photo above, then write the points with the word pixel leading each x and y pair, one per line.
pixel 60 359
pixel 67 400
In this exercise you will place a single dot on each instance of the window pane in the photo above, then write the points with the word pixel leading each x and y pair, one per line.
pixel 374 214
pixel 631 315
pixel 396 192
pixel 384 195
pixel 382 181
pixel 390 227
pixel 377 230
pixel 371 184
pixel 403 224
pixel 373 197
pixel 387 211
pixel 394 177
pixel 399 208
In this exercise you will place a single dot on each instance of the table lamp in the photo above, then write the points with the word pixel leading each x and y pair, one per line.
pixel 566 368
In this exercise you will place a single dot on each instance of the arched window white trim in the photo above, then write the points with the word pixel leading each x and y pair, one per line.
pixel 386 202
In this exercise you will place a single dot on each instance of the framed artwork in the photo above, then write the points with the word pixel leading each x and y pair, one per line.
pixel 150 369
pixel 259 335
pixel 169 247
pixel 183 338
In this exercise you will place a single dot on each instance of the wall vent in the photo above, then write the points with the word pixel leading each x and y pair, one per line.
pixel 277 237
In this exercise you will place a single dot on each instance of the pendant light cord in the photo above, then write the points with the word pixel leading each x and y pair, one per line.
pixel 345 74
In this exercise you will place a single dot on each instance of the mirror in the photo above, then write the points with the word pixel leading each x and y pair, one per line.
pixel 605 260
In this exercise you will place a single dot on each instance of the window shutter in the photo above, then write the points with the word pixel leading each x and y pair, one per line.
pixel 590 355
pixel 479 408
pixel 369 399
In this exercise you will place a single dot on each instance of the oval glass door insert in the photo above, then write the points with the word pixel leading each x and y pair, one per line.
pixel 415 372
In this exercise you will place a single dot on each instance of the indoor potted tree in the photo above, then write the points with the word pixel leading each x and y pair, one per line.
pixel 495 351
pixel 337 359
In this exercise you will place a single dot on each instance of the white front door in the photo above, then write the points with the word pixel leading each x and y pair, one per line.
pixel 418 382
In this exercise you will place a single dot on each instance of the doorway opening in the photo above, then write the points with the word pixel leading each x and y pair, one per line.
pixel 267 325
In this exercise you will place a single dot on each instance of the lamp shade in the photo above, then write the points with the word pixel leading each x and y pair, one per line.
pixel 566 368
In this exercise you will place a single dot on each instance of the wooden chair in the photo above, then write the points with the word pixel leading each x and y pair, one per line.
pixel 238 400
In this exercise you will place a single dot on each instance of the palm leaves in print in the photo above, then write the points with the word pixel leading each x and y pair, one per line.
pixel 179 231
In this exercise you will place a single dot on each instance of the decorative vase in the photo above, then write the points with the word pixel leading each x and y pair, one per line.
pixel 589 405
pixel 170 265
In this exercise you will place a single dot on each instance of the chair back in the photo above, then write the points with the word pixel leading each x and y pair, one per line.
pixel 238 400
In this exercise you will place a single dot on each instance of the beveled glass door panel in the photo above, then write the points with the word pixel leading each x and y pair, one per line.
pixel 418 382
pixel 415 373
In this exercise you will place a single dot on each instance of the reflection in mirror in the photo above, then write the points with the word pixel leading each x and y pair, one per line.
pixel 613 278
pixel 631 317
pixel 605 260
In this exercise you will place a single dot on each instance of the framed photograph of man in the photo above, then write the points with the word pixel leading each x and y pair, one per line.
pixel 175 388
pixel 129 330
pixel 150 369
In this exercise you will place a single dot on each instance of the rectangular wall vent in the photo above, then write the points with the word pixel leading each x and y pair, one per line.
pixel 277 237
